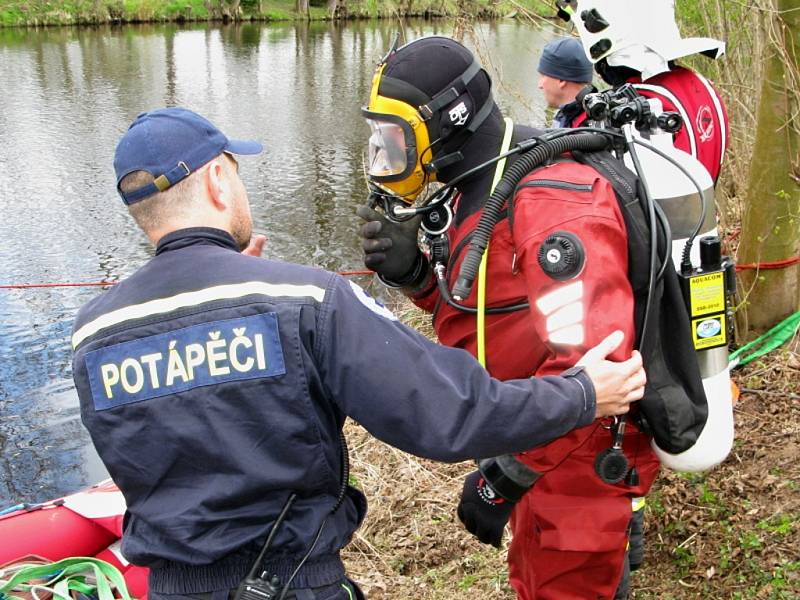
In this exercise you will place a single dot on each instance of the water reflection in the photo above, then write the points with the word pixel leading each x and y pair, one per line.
pixel 69 93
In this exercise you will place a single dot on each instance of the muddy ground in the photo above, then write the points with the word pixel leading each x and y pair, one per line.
pixel 730 533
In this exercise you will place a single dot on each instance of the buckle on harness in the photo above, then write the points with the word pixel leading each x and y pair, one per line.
pixel 425 112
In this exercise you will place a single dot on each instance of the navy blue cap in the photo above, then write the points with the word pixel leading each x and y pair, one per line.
pixel 565 59
pixel 170 144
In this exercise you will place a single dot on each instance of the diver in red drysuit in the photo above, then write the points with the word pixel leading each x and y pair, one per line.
pixel 562 248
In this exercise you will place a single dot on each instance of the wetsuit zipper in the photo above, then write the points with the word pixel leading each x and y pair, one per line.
pixel 559 185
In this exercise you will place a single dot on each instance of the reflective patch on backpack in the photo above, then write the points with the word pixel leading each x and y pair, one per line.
pixel 200 355
pixel 371 303
pixel 704 121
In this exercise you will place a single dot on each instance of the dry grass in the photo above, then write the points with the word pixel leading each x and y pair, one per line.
pixel 728 534
pixel 411 544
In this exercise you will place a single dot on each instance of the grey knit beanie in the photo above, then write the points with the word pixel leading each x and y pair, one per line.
pixel 564 58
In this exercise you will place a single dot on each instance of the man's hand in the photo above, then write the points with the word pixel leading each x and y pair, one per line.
pixel 616 385
pixel 256 246
pixel 482 511
pixel 390 249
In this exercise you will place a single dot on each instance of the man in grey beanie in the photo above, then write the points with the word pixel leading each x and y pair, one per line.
pixel 564 70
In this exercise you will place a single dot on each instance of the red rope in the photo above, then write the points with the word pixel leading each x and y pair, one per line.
pixel 777 264
pixel 25 286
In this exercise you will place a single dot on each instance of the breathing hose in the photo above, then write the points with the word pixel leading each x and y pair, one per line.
pixel 587 142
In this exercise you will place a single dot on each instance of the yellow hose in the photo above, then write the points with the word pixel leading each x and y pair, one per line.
pixel 481 325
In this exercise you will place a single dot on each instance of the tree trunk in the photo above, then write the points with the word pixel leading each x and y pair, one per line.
pixel 233 10
pixel 301 6
pixel 338 9
pixel 227 10
pixel 771 223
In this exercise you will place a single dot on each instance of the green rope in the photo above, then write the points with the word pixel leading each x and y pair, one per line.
pixel 777 336
pixel 82 574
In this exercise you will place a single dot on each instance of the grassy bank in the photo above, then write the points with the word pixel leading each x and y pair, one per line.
pixel 16 13
pixel 86 12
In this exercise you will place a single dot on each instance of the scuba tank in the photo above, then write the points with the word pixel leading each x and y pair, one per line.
pixel 688 414
pixel 707 281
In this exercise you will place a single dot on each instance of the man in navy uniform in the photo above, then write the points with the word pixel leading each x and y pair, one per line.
pixel 564 71
pixel 215 385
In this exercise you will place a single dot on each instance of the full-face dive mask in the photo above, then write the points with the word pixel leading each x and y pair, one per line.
pixel 630 33
pixel 410 124
pixel 398 137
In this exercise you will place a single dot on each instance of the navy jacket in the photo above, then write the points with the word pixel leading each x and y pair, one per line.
pixel 214 384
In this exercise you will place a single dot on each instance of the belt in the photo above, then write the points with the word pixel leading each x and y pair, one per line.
pixel 181 578
pixel 333 590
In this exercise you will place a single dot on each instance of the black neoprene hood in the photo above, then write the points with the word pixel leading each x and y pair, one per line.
pixel 421 69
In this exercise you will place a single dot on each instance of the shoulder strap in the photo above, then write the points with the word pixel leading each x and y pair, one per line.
pixel 626 189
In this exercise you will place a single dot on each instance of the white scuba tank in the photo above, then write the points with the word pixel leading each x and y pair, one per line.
pixel 678 198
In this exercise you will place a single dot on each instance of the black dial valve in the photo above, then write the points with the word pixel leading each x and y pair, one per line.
pixel 611 465
pixel 561 255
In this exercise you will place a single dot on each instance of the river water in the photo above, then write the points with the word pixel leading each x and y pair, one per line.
pixel 67 94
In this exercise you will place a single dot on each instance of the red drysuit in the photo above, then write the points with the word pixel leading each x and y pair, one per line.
pixel 570 529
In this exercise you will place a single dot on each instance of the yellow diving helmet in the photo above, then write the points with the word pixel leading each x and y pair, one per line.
pixel 422 95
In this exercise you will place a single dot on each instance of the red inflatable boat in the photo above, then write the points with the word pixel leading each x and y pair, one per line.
pixel 88 523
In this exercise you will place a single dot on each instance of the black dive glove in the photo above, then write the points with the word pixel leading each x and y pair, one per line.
pixel 490 494
pixel 483 511
pixel 390 249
